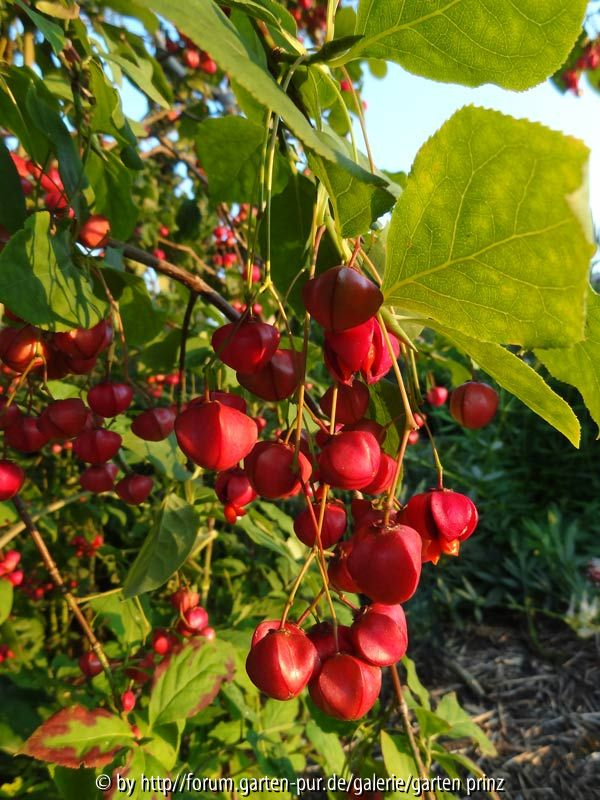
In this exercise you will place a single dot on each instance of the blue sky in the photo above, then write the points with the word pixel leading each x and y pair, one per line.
pixel 403 110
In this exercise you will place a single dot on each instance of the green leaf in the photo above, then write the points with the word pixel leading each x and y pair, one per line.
pixel 207 26
pixel 291 221
pixel 58 9
pixel 523 381
pixel 188 681
pixel 141 320
pixel 112 183
pixel 414 684
pixel 165 549
pixel 579 365
pixel 489 236
pixel 142 75
pixel 264 533
pixel 125 618
pixel 14 85
pixel 6 599
pixel 385 404
pixel 398 762
pixel 73 784
pixel 430 724
pixel 512 44
pixel 12 199
pixel 449 709
pixel 107 114
pixel 328 746
pixel 333 49
pixel 165 456
pixel 50 30
pixel 76 736
pixel 48 120
pixel 231 151
pixel 40 283
pixel 358 197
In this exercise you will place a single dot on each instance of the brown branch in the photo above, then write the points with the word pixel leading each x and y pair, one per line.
pixel 60 584
pixel 408 727
pixel 16 529
pixel 193 282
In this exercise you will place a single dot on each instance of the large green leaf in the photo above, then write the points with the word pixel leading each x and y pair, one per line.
pixel 207 26
pixel 579 365
pixel 50 30
pixel 521 380
pixel 40 283
pixel 165 549
pixel 513 43
pixel 450 710
pixel 76 736
pixel 490 236
pixel 141 320
pixel 398 762
pixel 125 618
pixel 188 681
pixel 14 85
pixel 231 151
pixel 12 200
pixel 358 197
pixel 112 184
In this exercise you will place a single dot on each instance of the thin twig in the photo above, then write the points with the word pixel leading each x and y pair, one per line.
pixel 60 584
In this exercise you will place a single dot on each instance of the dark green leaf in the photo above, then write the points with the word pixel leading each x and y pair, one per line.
pixel 40 283
pixel 12 200
pixel 333 49
pixel 112 182
pixel 166 548
pixel 50 30
pixel 141 320
pixel 231 150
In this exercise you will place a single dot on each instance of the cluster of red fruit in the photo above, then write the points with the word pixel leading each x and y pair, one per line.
pixel 310 16
pixel 85 548
pixel 589 60
pixel 8 568
pixel 192 620
pixel 192 56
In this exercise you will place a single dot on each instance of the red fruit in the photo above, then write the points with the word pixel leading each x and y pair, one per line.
pixel 209 634
pixel 269 625
pixel 84 343
pixel 99 479
pixel 90 665
pixel 208 65
pixel 214 435
pixel 346 687
pixel 323 638
pixel 394 612
pixel 227 398
pixel 345 352
pixel 337 569
pixel 413 437
pixel 378 639
pixel 12 558
pixel 334 524
pixel 110 399
pixel 162 641
pixel 63 419
pixel 233 487
pixel 16 577
pixel 94 232
pixel 128 701
pixel 272 472
pixel 21 348
pixel 12 478
pixel 378 360
pixel 352 402
pixel 143 671
pixel 191 58
pixel 281 663
pixel 278 379
pixel 195 619
pixel 378 431
pixel 474 404
pixel 384 478
pixel 341 298
pixel 25 435
pixel 134 489
pixel 437 396
pixel 442 518
pixel 386 562
pixel 97 446
pixel 350 460
pixel 246 346
pixel 155 424
pixel 184 599
pixel 8 415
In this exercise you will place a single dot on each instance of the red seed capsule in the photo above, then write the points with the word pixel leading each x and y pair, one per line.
pixel 281 663
pixel 246 346
pixel 233 487
pixel 97 446
pixel 346 687
pixel 334 524
pixel 350 460
pixel 12 478
pixel 337 569
pixel 99 479
pixel 378 639
pixel 64 419
pixel 386 562
pixel 110 399
pixel 84 343
pixel 214 435
pixel 352 402
pixel 94 232
pixel 384 478
pixel 155 424
pixel 272 470
pixel 25 435
pixel 341 298
pixel 134 489
pixel 278 379
pixel 345 352
pixel 474 404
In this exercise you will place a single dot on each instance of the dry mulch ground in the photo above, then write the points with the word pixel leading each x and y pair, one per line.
pixel 539 703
